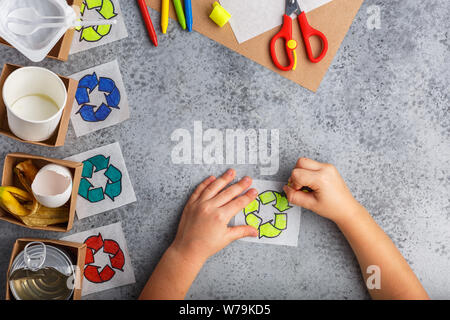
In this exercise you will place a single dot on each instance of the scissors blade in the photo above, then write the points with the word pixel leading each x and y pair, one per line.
pixel 291 7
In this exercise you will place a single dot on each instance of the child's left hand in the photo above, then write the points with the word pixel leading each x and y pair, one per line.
pixel 203 229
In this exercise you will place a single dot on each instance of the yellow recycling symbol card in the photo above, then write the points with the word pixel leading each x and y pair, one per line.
pixel 277 221
pixel 93 36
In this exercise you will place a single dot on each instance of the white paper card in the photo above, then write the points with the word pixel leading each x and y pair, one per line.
pixel 105 183
pixel 90 37
pixel 277 221
pixel 101 100
pixel 310 5
pixel 108 263
pixel 250 18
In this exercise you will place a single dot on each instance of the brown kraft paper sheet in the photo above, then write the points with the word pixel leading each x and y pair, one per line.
pixel 333 19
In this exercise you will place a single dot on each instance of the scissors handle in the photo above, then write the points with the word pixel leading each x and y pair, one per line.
pixel 286 34
pixel 308 32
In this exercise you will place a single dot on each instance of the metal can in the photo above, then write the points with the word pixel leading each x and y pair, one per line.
pixel 41 272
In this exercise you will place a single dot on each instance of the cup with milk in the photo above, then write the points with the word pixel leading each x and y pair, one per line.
pixel 35 99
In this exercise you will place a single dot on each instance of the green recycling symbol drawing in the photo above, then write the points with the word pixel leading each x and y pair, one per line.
pixel 113 186
pixel 106 10
pixel 274 227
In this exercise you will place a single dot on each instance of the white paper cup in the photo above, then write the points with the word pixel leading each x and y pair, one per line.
pixel 33 81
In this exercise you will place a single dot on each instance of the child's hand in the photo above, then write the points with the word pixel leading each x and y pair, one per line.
pixel 203 228
pixel 331 197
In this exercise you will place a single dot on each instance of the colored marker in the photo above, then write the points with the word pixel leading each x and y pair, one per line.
pixel 164 15
pixel 189 19
pixel 180 13
pixel 148 22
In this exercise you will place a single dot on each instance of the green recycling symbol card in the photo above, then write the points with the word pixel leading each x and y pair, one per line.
pixel 93 36
pixel 105 184
pixel 277 221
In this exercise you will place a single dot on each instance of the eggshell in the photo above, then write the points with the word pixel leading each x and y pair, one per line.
pixel 52 186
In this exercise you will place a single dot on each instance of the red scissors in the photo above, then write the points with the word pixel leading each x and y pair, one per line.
pixel 285 33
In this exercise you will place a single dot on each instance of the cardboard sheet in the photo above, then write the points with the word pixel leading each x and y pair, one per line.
pixel 277 221
pixel 90 37
pixel 105 183
pixel 333 19
pixel 107 263
pixel 250 18
pixel 101 100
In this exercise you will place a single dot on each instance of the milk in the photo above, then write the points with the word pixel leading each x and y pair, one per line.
pixel 36 107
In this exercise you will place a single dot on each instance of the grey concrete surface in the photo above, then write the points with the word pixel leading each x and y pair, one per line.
pixel 381 116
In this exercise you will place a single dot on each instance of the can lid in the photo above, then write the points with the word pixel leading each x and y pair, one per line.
pixel 37 255
pixel 34 259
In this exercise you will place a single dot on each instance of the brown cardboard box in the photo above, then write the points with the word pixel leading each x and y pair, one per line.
pixel 59 137
pixel 10 179
pixel 75 251
pixel 62 48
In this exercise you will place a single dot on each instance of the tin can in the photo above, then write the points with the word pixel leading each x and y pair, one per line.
pixel 41 272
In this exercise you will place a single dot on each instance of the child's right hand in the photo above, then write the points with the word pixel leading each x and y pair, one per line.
pixel 331 197
pixel 203 228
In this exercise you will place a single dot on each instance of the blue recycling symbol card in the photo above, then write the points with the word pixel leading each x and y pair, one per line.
pixel 100 99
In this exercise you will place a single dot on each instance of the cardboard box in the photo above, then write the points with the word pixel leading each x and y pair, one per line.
pixel 59 137
pixel 75 251
pixel 62 48
pixel 10 179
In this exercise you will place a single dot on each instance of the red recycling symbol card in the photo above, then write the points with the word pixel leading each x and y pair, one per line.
pixel 107 263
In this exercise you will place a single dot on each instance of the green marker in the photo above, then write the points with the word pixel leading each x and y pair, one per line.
pixel 180 13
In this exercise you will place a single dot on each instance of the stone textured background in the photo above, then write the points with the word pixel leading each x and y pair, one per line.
pixel 381 116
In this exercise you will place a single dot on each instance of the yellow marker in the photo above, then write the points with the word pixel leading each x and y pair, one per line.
pixel 164 15
pixel 304 189
pixel 219 15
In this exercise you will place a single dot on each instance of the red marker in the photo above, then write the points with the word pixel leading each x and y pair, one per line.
pixel 148 22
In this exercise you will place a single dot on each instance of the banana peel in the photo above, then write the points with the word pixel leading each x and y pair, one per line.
pixel 9 200
pixel 20 194
pixel 46 216
pixel 39 222
pixel 26 172
pixel 42 217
